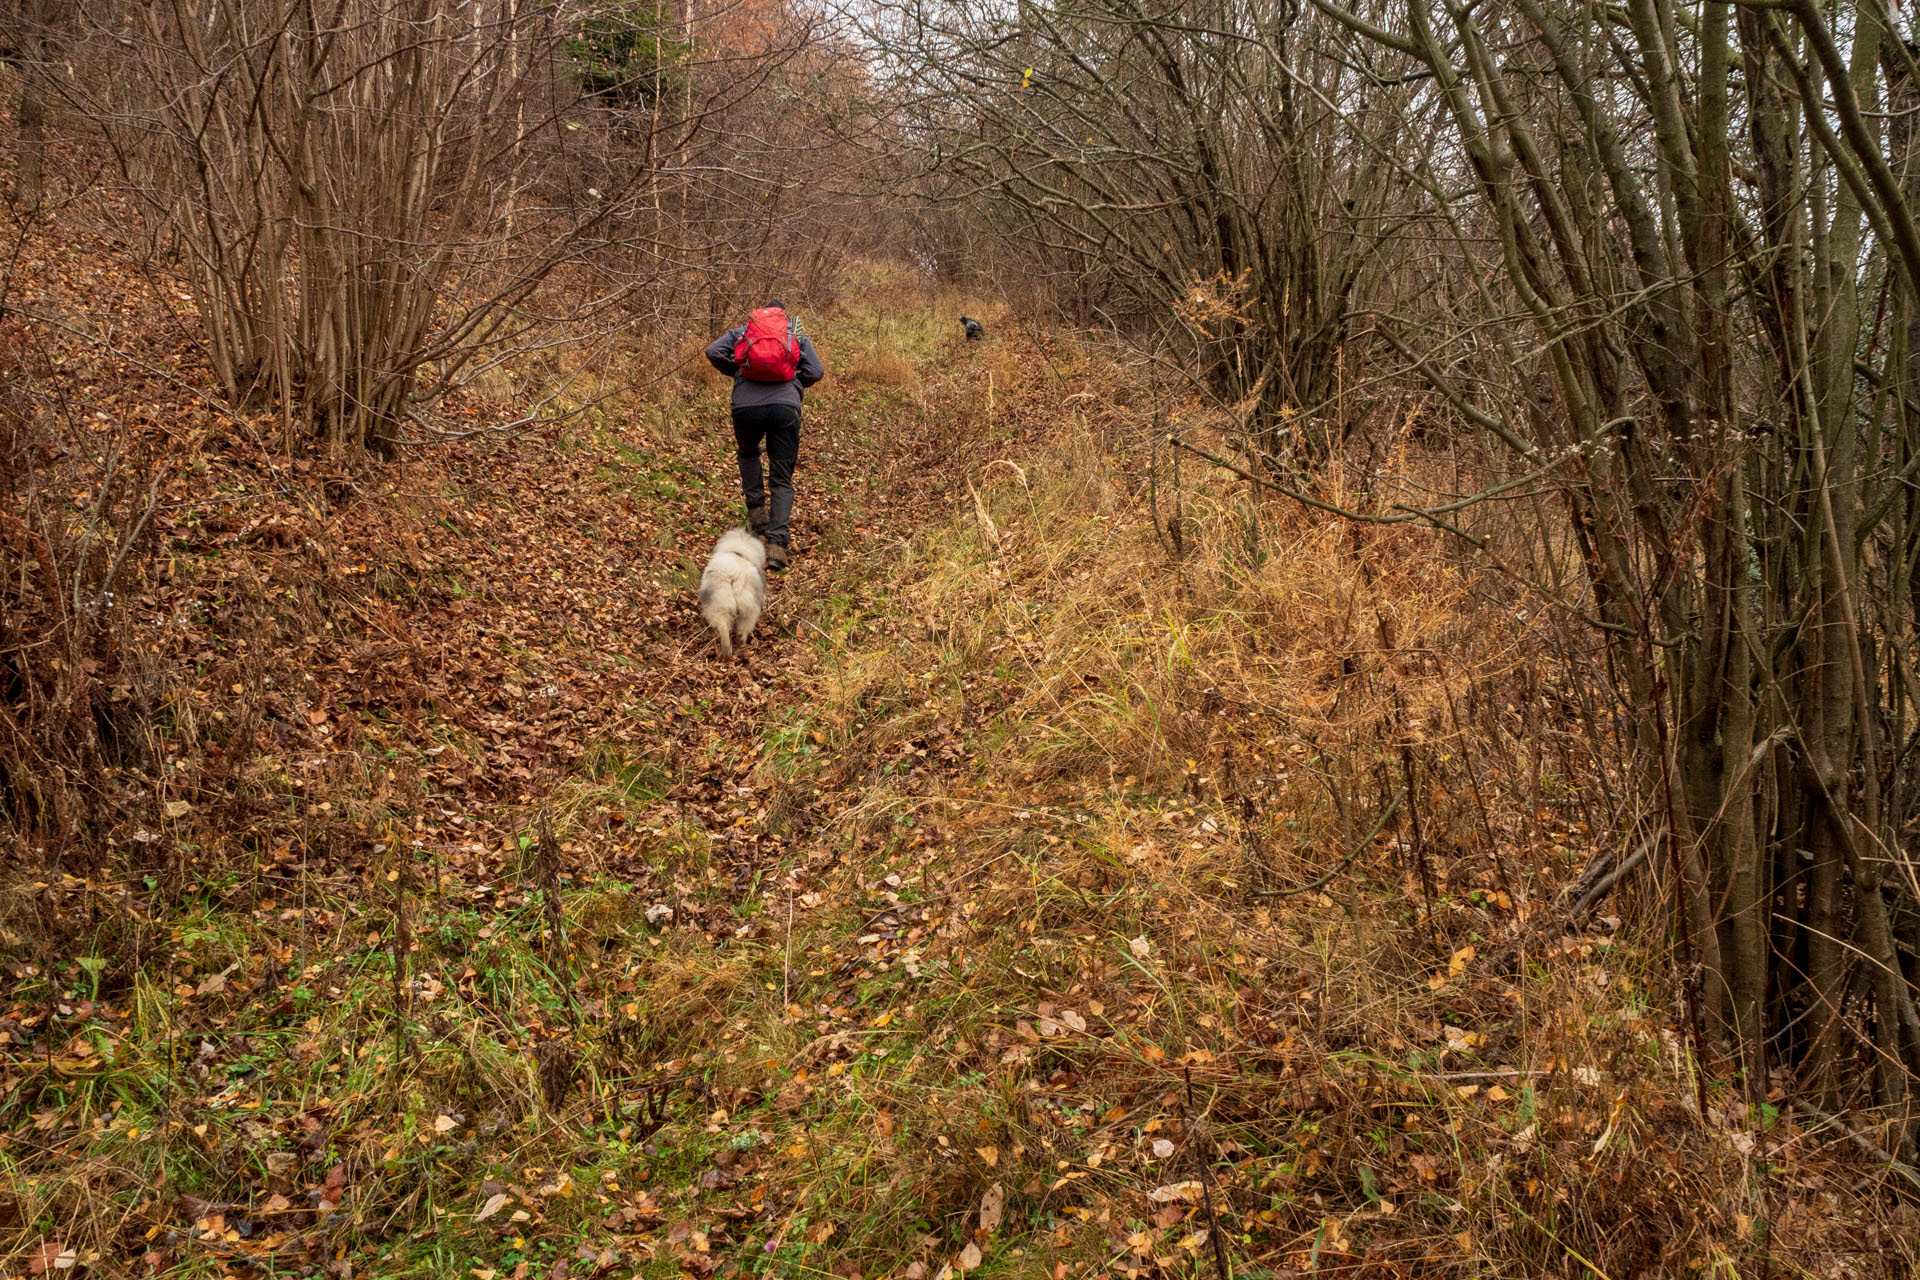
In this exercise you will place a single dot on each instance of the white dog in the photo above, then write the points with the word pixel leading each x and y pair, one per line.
pixel 733 590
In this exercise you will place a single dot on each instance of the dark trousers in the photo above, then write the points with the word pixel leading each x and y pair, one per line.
pixel 779 426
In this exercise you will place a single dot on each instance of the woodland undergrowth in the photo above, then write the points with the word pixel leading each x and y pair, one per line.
pixel 1094 868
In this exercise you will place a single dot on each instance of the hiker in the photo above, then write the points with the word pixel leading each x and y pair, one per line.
pixel 770 362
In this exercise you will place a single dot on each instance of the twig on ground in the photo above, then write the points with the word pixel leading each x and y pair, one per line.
pixel 1361 847
pixel 1597 892
pixel 1196 1140
pixel 1866 1144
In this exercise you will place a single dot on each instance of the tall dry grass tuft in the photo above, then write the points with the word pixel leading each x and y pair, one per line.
pixel 878 366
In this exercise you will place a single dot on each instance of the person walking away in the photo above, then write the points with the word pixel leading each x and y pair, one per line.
pixel 771 363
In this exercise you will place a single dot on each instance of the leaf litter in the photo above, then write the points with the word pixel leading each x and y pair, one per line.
pixel 486 918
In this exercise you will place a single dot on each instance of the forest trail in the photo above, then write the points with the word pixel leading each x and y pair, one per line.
pixel 1313 747
pixel 986 915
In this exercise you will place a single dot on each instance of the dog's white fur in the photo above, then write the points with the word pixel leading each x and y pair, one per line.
pixel 733 590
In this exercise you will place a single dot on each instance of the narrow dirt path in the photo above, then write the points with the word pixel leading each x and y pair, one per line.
pixel 862 496
pixel 705 722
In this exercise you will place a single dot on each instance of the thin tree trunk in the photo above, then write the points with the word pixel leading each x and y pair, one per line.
pixel 30 149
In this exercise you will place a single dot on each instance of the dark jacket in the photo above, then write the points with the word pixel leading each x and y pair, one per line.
pixel 748 393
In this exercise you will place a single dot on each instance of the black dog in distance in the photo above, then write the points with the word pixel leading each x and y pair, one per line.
pixel 975 331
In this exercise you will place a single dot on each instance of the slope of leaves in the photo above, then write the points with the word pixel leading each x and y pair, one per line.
pixel 430 753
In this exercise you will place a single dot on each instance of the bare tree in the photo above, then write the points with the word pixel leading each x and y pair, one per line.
pixel 368 195
pixel 29 33
pixel 1707 370
pixel 345 184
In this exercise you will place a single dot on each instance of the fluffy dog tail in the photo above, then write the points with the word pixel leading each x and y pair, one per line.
pixel 718 613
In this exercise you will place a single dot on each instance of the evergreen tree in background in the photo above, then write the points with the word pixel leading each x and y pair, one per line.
pixel 629 55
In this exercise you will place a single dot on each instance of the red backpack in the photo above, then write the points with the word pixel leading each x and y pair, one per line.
pixel 768 351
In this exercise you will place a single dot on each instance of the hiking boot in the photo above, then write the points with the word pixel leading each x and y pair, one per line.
pixel 757 518
pixel 776 556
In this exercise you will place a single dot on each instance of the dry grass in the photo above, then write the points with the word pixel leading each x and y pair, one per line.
pixel 1084 775
pixel 879 366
